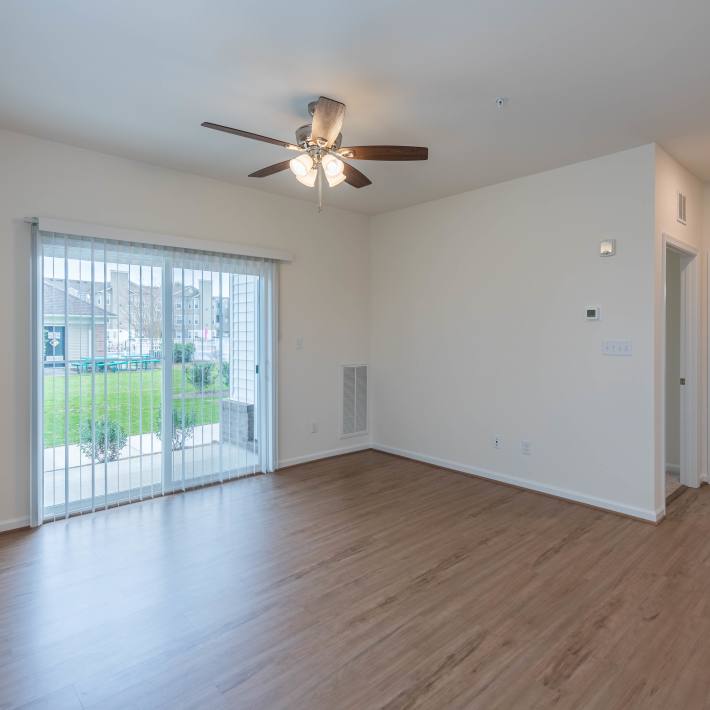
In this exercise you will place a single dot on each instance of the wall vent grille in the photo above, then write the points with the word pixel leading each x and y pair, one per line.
pixel 354 400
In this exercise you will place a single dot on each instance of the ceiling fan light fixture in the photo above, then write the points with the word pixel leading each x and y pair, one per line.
pixel 321 153
pixel 333 167
pixel 302 166
pixel 309 179
pixel 333 181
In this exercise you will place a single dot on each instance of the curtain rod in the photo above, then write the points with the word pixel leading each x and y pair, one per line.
pixel 84 229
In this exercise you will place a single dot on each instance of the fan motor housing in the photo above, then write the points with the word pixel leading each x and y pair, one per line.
pixel 303 135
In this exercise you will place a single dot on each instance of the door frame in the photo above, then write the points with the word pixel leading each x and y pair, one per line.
pixel 689 362
pixel 266 306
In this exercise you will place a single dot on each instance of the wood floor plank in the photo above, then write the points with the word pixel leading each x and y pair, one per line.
pixel 362 581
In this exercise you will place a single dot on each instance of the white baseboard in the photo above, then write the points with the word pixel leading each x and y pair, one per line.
pixel 14 523
pixel 323 454
pixel 673 468
pixel 574 496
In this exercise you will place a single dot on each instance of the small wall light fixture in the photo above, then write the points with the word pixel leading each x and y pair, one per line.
pixel 607 247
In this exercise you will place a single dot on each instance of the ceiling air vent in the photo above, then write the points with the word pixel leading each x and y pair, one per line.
pixel 682 213
pixel 354 400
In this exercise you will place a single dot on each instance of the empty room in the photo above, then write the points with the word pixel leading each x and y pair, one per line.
pixel 355 355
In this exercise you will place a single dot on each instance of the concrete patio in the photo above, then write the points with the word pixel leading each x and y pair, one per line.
pixel 138 473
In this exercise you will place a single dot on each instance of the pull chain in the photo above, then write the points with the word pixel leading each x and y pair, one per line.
pixel 320 188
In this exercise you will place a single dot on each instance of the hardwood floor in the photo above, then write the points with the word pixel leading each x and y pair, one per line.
pixel 364 581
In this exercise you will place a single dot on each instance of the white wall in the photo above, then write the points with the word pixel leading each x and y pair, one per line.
pixel 671 178
pixel 478 329
pixel 324 292
pixel 705 334
pixel 673 269
pixel 473 306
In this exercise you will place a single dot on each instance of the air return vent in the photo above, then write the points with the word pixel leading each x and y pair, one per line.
pixel 354 400
pixel 682 213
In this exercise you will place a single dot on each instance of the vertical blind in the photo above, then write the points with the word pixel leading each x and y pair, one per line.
pixel 154 370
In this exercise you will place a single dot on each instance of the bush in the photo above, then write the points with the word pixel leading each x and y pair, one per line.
pixel 201 375
pixel 224 367
pixel 183 428
pixel 102 442
pixel 183 352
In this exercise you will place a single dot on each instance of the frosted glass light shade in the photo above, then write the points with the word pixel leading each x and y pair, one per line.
pixel 309 179
pixel 332 167
pixel 301 166
pixel 333 181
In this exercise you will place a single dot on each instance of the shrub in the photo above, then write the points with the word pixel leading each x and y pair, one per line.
pixel 102 442
pixel 183 428
pixel 201 375
pixel 224 367
pixel 183 352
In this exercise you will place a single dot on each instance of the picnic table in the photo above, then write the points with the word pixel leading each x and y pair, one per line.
pixel 114 364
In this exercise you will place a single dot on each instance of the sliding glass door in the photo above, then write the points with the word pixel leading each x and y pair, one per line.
pixel 213 384
pixel 150 370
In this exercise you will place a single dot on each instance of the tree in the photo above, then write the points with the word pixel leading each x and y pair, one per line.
pixel 201 375
pixel 183 352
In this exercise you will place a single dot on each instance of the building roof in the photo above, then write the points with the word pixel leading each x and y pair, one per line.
pixel 54 302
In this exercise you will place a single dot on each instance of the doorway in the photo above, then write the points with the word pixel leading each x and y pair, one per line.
pixel 681 369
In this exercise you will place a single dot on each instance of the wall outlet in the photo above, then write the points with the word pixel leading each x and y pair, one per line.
pixel 314 428
pixel 497 442
pixel 526 447
pixel 299 342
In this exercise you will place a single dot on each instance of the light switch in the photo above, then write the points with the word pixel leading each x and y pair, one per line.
pixel 617 347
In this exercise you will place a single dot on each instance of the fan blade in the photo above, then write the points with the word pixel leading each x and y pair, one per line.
pixel 354 177
pixel 385 152
pixel 253 136
pixel 271 169
pixel 327 120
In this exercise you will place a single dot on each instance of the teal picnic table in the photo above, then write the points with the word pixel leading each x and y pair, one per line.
pixel 114 364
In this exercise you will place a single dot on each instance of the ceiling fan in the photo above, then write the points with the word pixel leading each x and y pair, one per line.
pixel 321 155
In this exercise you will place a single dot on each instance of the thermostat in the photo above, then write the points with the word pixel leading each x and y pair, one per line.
pixel 592 313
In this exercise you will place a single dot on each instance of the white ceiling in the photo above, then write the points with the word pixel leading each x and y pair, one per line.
pixel 584 78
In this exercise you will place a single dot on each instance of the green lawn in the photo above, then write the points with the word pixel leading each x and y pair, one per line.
pixel 123 401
